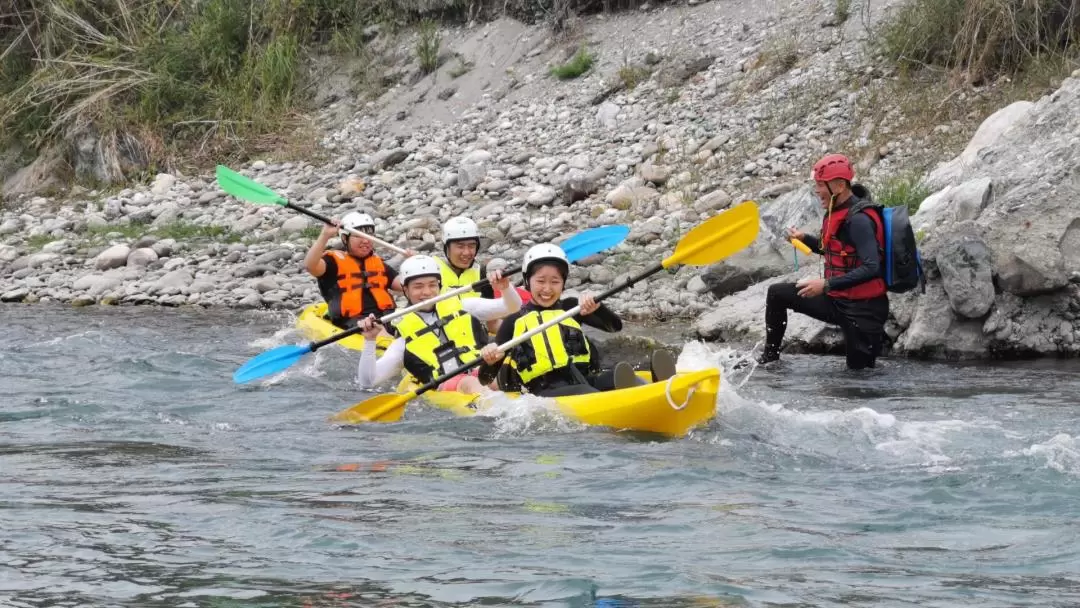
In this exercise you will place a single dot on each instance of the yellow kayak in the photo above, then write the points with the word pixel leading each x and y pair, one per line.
pixel 672 407
pixel 315 326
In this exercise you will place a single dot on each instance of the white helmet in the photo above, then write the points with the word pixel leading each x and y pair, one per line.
pixel 545 252
pixel 459 228
pixel 419 266
pixel 354 220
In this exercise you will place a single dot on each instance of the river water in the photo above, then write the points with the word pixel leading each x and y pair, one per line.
pixel 133 472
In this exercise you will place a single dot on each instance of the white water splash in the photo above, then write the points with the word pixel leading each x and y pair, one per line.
pixel 525 415
pixel 1061 453
pixel 286 335
pixel 833 434
pixel 90 333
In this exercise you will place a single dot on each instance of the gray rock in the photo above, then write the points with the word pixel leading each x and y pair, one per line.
pixel 141 258
pixel 96 284
pixel 276 255
pixel 14 295
pixel 244 272
pixel 385 159
pixel 966 266
pixel 113 257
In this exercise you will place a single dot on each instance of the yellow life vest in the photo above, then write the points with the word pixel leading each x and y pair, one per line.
pixel 452 280
pixel 552 349
pixel 453 337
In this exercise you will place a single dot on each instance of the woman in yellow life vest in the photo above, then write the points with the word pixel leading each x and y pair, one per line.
pixel 438 339
pixel 561 360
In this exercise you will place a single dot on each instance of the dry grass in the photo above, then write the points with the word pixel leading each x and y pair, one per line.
pixel 980 40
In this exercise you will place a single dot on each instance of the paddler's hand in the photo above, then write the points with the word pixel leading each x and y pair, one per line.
pixel 809 288
pixel 588 304
pixel 491 354
pixel 498 281
pixel 793 233
pixel 329 231
pixel 370 327
pixel 409 253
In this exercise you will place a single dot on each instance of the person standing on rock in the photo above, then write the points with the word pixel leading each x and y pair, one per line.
pixel 461 243
pixel 852 293
pixel 439 339
pixel 356 282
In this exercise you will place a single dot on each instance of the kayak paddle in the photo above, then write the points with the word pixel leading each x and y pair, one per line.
pixel 581 245
pixel 708 243
pixel 247 189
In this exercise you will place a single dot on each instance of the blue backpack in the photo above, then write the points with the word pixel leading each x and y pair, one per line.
pixel 903 266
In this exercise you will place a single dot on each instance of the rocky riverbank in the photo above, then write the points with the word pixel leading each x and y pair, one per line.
pixel 686 110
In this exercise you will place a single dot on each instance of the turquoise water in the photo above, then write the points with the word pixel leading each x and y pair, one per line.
pixel 133 472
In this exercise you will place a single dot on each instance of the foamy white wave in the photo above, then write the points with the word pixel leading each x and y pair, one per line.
pixel 285 335
pixel 60 339
pixel 830 433
pixel 1061 452
pixel 524 415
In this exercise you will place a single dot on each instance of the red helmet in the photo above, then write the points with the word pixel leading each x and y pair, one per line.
pixel 833 166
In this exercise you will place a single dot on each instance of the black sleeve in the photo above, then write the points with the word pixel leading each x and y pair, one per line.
pixel 861 230
pixel 328 280
pixel 603 319
pixel 391 274
pixel 504 335
pixel 487 291
pixel 813 242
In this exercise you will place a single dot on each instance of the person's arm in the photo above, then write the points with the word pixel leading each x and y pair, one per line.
pixel 603 318
pixel 373 370
pixel 862 232
pixel 392 279
pixel 313 261
pixel 487 310
pixel 813 242
pixel 488 371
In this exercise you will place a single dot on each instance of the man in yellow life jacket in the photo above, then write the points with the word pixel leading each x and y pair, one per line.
pixel 439 338
pixel 356 282
pixel 461 243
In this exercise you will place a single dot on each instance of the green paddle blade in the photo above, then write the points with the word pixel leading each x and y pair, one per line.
pixel 247 189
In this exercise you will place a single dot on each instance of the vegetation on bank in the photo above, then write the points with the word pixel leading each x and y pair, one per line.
pixel 982 40
pixel 158 76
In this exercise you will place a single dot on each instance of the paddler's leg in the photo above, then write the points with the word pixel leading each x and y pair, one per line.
pixel 780 298
pixel 466 383
pixel 619 377
pixel 662 365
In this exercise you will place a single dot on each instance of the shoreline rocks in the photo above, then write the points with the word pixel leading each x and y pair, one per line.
pixel 533 159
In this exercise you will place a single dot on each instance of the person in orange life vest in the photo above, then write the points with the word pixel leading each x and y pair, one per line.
pixel 355 282
pixel 852 293
pixel 438 339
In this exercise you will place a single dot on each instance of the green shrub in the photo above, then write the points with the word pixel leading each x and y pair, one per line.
pixel 580 63
pixel 428 42
pixel 905 190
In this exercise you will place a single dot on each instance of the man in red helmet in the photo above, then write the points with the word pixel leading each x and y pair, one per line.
pixel 852 293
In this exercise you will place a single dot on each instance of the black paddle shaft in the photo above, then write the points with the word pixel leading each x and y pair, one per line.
pixel 603 296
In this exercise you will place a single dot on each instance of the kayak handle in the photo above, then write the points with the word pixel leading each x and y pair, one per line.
pixel 671 402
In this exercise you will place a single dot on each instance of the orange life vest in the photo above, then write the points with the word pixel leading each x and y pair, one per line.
pixel 352 280
pixel 841 258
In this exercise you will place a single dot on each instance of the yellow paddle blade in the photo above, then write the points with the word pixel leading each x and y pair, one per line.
pixel 380 408
pixel 718 237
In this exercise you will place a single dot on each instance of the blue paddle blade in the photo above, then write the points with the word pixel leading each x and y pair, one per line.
pixel 270 362
pixel 593 241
